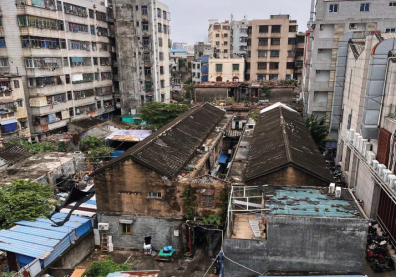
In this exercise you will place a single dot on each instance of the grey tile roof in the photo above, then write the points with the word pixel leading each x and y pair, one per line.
pixel 281 139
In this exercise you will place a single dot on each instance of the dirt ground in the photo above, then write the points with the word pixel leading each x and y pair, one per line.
pixel 182 266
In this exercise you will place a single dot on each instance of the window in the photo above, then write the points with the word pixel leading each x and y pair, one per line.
pixel 43 42
pixel 288 77
pixel 161 56
pixel 45 63
pixel 235 67
pixel 291 54
pixel 365 7
pixel 94 46
pixel 290 65
pixel 146 41
pixel 77 28
pixel 67 78
pixel 164 15
pixel 159 13
pixel 261 77
pixel 248 53
pixel 160 27
pixel 165 29
pixel 392 4
pixel 225 36
pixel 275 41
pixel 276 29
pixel 91 14
pixel 99 104
pixel 161 70
pixel 263 41
pixel 147 71
pixel 219 67
pixel 145 26
pixel 126 228
pixel 2 42
pixel 292 28
pixel 274 65
pixel 333 8
pixel 137 23
pixel 217 35
pixel 274 53
pixel 37 22
pixel 390 30
pixel 83 94
pixel 247 66
pixel 80 61
pixel 16 84
pixel 69 96
pixel 162 84
pixel 273 77
pixel 261 66
pixel 262 53
pixel 160 42
pixel 59 6
pixel 157 195
pixel 291 41
pixel 19 103
pixel 207 200
pixel 79 45
pixel 75 10
pixel 225 42
pixel 146 57
pixel 217 43
pixel 144 10
pixel 101 16
pixel 95 61
pixel 263 29
pixel 225 51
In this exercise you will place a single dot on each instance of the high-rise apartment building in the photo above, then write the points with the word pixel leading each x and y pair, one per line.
pixel 330 20
pixel 271 48
pixel 61 52
pixel 239 34
pixel 142 34
pixel 219 35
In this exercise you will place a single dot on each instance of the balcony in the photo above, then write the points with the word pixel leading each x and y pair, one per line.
pixel 54 108
pixel 7 106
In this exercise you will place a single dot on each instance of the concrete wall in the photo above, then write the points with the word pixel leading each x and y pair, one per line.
pixel 250 253
pixel 309 244
pixel 161 231
pixel 203 95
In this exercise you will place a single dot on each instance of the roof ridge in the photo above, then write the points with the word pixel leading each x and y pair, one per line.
pixel 285 136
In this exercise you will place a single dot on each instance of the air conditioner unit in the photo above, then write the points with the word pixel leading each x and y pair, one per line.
pixel 370 157
pixel 361 145
pixel 380 170
pixel 103 226
pixel 391 180
pixel 355 139
pixel 366 148
pixel 338 192
pixel 351 135
pixel 375 165
pixel 358 142
pixel 332 188
pixel 347 135
pixel 352 26
pixel 386 173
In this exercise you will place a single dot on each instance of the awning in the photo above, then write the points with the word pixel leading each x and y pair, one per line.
pixel 222 159
pixel 7 101
pixel 6 122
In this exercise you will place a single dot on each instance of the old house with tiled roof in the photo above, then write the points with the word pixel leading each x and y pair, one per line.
pixel 140 193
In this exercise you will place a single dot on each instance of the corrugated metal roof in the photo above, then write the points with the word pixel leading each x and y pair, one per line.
pixel 40 238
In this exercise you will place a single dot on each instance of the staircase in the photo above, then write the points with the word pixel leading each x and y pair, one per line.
pixel 255 228
pixel 391 249
pixel 104 241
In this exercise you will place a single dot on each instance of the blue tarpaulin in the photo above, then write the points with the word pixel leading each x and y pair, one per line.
pixel 10 125
pixel 77 59
pixel 51 118
pixel 222 159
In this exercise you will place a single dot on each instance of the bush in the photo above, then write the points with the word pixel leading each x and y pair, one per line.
pixel 95 147
pixel 159 114
pixel 24 200
pixel 103 268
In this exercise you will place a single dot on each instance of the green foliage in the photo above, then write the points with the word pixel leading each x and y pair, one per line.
pixel 291 82
pixel 318 128
pixel 182 63
pixel 265 91
pixel 213 219
pixel 188 92
pixel 7 274
pixel 159 114
pixel 103 268
pixel 24 200
pixel 188 202
pixel 95 147
pixel 39 147
pixel 255 113
pixel 188 81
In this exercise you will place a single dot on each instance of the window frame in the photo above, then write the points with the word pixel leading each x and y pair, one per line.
pixel 365 7
pixel 126 228
pixel 333 8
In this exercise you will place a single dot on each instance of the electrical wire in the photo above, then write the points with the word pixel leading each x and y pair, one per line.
pixel 211 265
pixel 245 267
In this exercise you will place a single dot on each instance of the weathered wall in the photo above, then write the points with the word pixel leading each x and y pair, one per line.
pixel 72 256
pixel 250 253
pixel 203 95
pixel 304 244
pixel 289 176
pixel 161 231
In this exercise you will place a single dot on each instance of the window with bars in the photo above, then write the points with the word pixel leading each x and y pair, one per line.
pixel 40 82
pixel 126 229
pixel 43 42
pixel 207 200
pixel 105 61
pixel 274 65
pixel 75 10
pixel 274 53
pixel 235 67
pixel 80 61
pixel 263 29
pixel 101 16
pixel 83 94
pixel 38 22
pixel 105 76
pixel 276 28
pixel 145 26
pixel 51 63
pixel 79 45
pixel 263 41
pixel 76 28
pixel 262 66
pixel 275 41
pixel 219 67
pixel 365 7
pixel 144 9
pixel 156 195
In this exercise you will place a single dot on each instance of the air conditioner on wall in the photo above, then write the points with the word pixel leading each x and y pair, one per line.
pixel 391 180
pixel 386 173
pixel 380 170
pixel 370 157
pixel 338 192
pixel 103 226
pixel 375 164
pixel 355 139
pixel 351 135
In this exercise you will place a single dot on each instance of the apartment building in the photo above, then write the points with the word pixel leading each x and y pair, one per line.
pixel 271 48
pixel 330 20
pixel 239 34
pixel 226 70
pixel 196 72
pixel 200 49
pixel 61 51
pixel 142 34
pixel 366 140
pixel 219 35
pixel 13 111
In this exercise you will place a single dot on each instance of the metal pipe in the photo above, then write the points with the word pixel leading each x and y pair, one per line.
pixel 383 91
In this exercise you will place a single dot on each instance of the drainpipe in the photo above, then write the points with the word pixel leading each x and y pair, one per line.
pixel 383 92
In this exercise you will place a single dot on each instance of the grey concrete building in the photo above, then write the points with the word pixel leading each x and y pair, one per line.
pixel 330 20
pixel 62 51
pixel 239 34
pixel 142 34
pixel 200 49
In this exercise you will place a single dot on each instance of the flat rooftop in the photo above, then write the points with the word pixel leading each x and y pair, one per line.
pixel 309 202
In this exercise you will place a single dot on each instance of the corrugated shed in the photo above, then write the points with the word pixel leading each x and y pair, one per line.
pixel 41 239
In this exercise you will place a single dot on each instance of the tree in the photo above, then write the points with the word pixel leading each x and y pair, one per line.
pixel 39 147
pixel 24 200
pixel 103 268
pixel 159 114
pixel 319 130
pixel 95 147
pixel 182 63
pixel 265 91
pixel 188 92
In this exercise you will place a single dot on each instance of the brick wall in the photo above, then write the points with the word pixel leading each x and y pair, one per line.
pixel 383 146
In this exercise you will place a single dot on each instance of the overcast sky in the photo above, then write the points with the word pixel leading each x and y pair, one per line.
pixel 190 18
